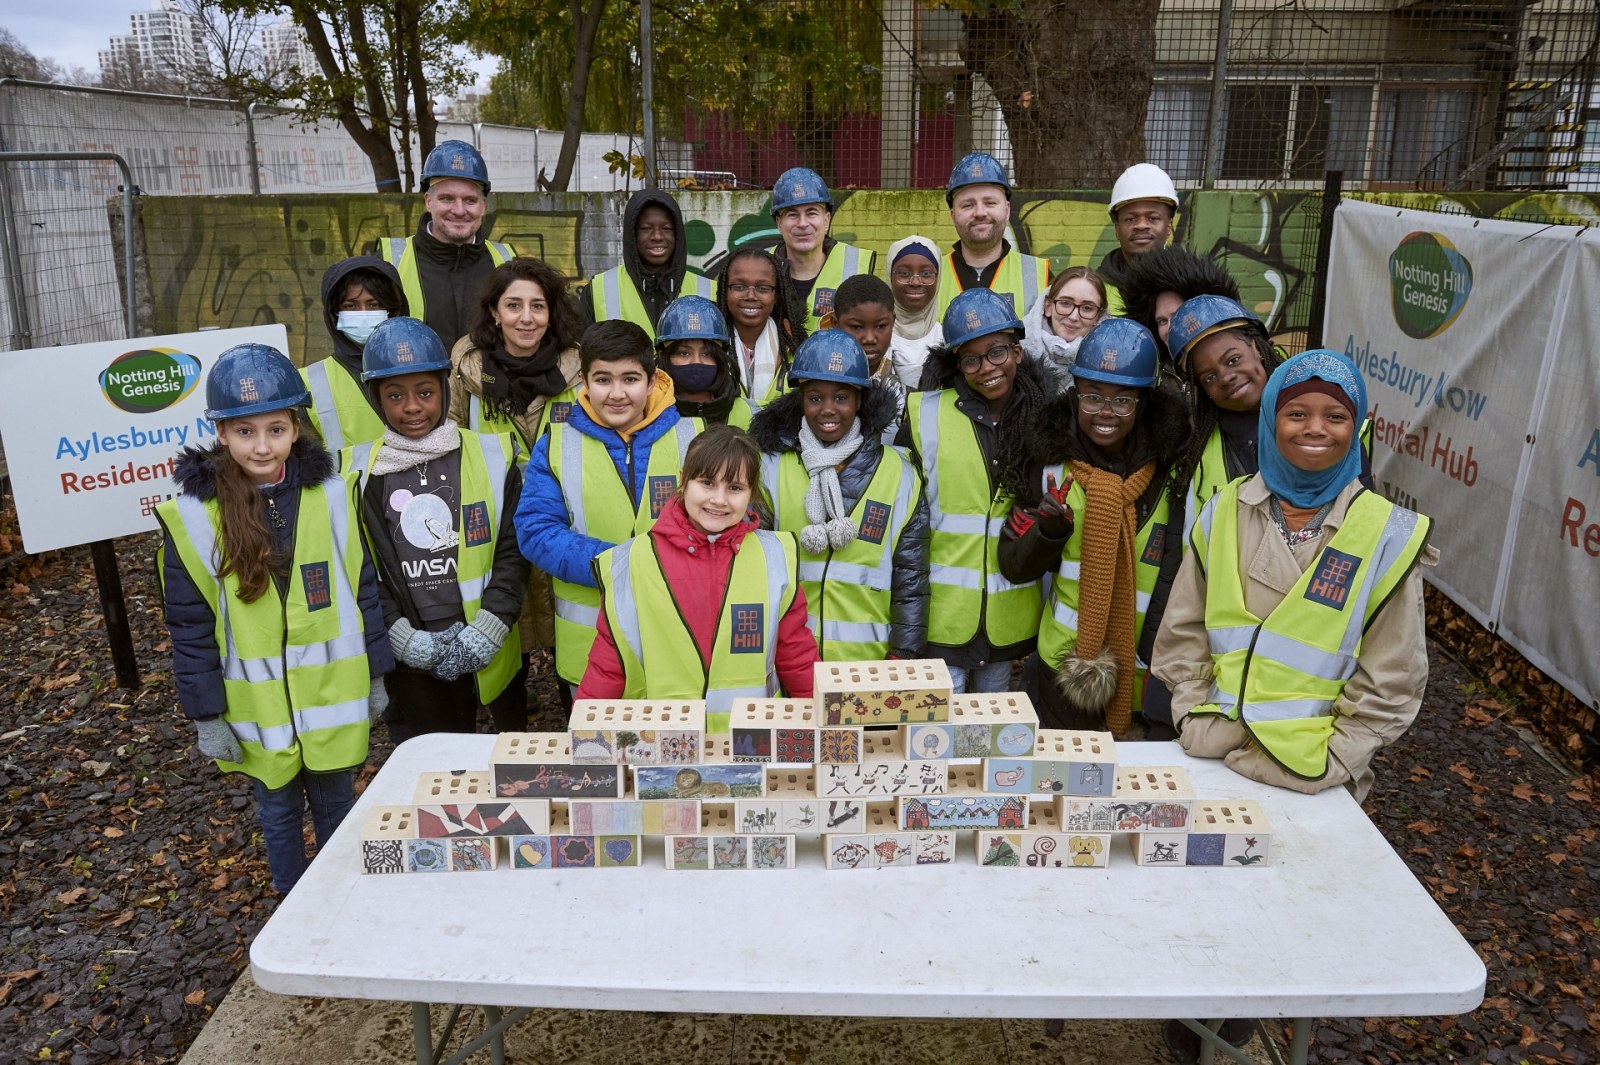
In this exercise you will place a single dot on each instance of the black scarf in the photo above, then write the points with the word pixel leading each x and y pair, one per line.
pixel 511 384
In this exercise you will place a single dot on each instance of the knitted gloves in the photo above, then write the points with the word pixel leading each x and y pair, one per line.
pixel 216 740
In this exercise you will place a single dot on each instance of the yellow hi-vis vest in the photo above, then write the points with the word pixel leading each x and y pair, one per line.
pixel 1211 474
pixel 339 408
pixel 1287 671
pixel 1020 279
pixel 613 295
pixel 600 504
pixel 294 665
pixel 482 418
pixel 1058 627
pixel 667 664
pixel 848 590
pixel 965 516
pixel 484 463
pixel 398 251
pixel 843 261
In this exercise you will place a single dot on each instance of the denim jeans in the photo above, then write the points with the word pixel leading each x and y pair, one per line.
pixel 994 677
pixel 283 813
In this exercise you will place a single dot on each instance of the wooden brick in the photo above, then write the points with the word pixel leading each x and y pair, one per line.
pixel 1146 799
pixel 383 838
pixel 1160 849
pixel 1043 850
pixel 632 817
pixel 535 765
pixel 520 817
pixel 455 786
pixel 794 783
pixel 564 849
pixel 805 817
pixel 643 732
pixel 714 851
pixel 888 850
pixel 774 730
pixel 1001 724
pixel 1090 759
pixel 882 778
pixel 1229 832
pixel 704 781
pixel 882 693
pixel 956 812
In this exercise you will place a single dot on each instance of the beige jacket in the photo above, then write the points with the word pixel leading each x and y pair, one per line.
pixel 1379 701
pixel 466 380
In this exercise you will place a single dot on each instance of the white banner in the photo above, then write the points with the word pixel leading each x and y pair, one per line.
pixel 1454 323
pixel 1550 609
pixel 89 442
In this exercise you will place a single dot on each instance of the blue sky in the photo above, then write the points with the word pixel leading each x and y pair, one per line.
pixel 73 33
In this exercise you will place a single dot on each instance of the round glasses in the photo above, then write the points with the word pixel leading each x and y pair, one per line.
pixel 919 277
pixel 1121 406
pixel 995 356
pixel 1067 308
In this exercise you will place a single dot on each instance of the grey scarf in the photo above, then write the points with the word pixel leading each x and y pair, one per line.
pixel 830 522
pixel 401 452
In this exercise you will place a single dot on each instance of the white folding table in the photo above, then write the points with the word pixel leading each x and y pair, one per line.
pixel 1334 926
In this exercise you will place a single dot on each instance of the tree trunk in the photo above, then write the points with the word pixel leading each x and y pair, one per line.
pixel 586 24
pixel 421 98
pixel 1073 79
pixel 814 139
pixel 374 144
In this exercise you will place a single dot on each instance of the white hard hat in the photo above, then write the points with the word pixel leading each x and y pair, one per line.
pixel 1143 181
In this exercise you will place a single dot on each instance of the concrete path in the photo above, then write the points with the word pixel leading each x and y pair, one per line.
pixel 266 1029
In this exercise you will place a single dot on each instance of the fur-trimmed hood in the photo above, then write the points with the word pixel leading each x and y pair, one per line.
pixel 195 468
pixel 776 427
pixel 1161 433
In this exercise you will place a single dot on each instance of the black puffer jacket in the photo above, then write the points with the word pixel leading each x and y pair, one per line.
pixel 776 429
pixel 196 658
pixel 1159 437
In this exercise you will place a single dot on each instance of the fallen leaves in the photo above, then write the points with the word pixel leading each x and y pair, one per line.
pixel 67 898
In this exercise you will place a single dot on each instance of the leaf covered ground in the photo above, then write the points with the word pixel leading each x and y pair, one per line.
pixel 132 876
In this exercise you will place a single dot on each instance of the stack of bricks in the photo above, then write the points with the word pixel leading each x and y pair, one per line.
pixel 869 768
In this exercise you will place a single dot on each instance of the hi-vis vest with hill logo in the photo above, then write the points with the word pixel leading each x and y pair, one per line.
pixel 1020 279
pixel 399 252
pixel 613 296
pixel 484 463
pixel 965 518
pixel 1281 676
pixel 601 505
pixel 848 590
pixel 844 261
pixel 339 410
pixel 482 418
pixel 1058 628
pixel 294 665
pixel 668 665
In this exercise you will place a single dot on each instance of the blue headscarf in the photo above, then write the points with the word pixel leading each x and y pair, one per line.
pixel 1304 488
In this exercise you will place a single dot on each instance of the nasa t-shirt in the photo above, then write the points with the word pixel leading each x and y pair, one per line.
pixel 422 507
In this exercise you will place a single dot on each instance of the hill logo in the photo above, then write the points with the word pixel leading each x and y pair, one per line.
pixel 1429 281
pixel 150 379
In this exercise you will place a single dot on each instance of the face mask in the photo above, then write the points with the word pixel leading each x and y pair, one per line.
pixel 358 325
pixel 696 378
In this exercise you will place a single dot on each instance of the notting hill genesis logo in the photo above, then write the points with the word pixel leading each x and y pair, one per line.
pixel 150 379
pixel 1429 280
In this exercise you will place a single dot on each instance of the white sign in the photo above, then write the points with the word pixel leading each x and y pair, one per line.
pixel 91 430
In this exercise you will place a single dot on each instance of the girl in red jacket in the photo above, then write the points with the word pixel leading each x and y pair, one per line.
pixel 706 605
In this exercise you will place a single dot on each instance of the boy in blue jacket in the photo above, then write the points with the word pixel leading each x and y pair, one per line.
pixel 599 478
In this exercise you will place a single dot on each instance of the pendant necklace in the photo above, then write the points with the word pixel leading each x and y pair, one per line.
pixel 272 511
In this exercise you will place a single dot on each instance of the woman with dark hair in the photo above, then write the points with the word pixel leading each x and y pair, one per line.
pixel 517 371
pixel 766 324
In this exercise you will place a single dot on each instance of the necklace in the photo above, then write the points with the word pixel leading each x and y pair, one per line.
pixel 422 472
pixel 1308 532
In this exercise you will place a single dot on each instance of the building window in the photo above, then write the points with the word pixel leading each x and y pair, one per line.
pixel 1423 134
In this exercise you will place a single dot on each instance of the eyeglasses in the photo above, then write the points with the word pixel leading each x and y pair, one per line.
pixel 1121 406
pixel 1087 311
pixel 921 277
pixel 760 290
pixel 995 356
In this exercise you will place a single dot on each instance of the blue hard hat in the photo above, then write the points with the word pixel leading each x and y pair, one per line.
pixel 978 312
pixel 976 168
pixel 252 379
pixel 1200 317
pixel 401 346
pixel 455 159
pixel 798 186
pixel 691 318
pixel 1118 351
pixel 831 355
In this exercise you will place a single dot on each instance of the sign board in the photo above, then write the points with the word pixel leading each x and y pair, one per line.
pixel 91 430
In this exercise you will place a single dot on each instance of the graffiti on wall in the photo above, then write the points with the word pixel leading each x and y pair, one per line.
pixel 246 260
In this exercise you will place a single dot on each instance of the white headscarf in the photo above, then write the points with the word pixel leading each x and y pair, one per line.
pixel 908 324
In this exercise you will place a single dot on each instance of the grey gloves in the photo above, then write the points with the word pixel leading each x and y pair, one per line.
pixel 473 648
pixel 216 740
pixel 420 650
pixel 377 700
